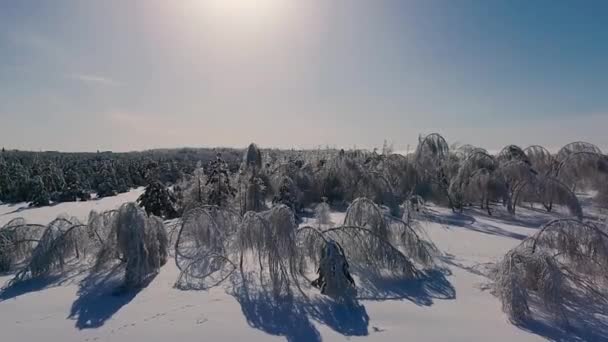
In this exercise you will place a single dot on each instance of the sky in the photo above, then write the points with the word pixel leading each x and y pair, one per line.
pixel 128 75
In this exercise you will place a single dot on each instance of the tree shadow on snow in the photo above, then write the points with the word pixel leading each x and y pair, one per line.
pixel 100 296
pixel 14 289
pixel 586 320
pixel 430 285
pixel 469 222
pixel 291 315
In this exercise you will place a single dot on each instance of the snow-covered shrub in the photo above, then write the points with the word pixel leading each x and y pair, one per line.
pixel 366 214
pixel 204 242
pixel 400 173
pixel 205 229
pixel 548 191
pixel 542 161
pixel 370 239
pixel 271 236
pixel 516 174
pixel 385 228
pixel 580 163
pixel 512 153
pixel 322 214
pixel 63 239
pixel 477 180
pixel 142 242
pixel 103 227
pixel 564 257
pixel 436 166
pixel 17 241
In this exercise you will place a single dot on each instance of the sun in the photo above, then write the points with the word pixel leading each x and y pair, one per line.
pixel 249 11
pixel 242 18
pixel 243 7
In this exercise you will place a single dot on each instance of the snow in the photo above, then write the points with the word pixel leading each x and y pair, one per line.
pixel 80 210
pixel 464 310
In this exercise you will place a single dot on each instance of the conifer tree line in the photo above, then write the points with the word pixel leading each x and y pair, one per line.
pixel 42 178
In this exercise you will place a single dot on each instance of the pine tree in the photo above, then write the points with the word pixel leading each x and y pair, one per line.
pixel 18 183
pixel 40 195
pixel 74 189
pixel 334 275
pixel 53 178
pixel 106 181
pixel 3 179
pixel 286 195
pixel 220 189
pixel 158 200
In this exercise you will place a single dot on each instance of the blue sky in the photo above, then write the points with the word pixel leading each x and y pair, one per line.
pixel 130 75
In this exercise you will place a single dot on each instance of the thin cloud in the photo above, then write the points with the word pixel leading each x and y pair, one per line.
pixel 95 79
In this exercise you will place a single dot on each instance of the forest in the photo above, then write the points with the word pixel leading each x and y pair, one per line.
pixel 45 177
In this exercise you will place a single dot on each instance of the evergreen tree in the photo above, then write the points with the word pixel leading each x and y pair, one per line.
pixel 286 194
pixel 253 192
pixel 53 178
pixel 106 181
pixel 3 179
pixel 158 200
pixel 74 189
pixel 218 182
pixel 40 195
pixel 18 181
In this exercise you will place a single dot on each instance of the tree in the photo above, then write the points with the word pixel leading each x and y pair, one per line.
pixel 218 182
pixel 74 189
pixel 17 183
pixel 286 194
pixel 334 275
pixel 158 200
pixel 40 196
pixel 53 178
pixel 106 181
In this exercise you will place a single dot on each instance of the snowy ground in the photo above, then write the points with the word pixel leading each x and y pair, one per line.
pixel 80 210
pixel 454 307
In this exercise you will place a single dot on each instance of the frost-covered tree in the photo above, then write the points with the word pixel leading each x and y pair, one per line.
pixel 142 241
pixel 17 241
pixel 565 259
pixel 435 166
pixel 478 180
pixel 63 240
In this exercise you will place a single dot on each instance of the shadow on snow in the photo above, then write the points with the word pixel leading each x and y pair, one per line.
pixel 15 289
pixel 586 320
pixel 292 316
pixel 100 296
